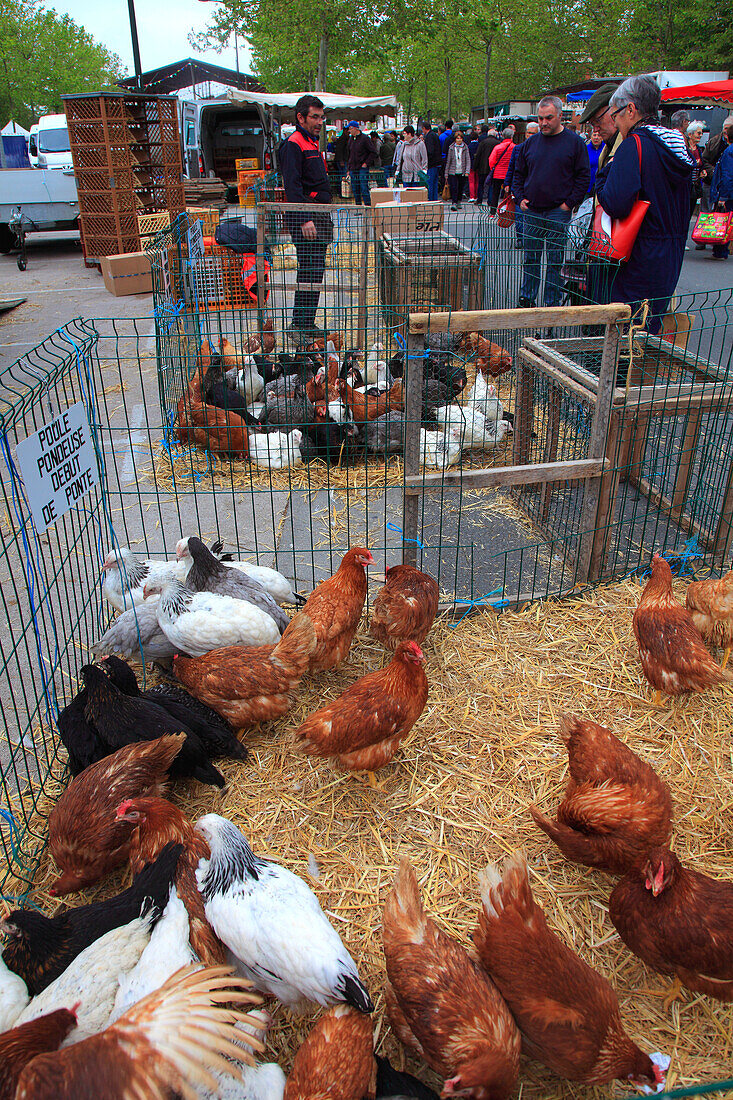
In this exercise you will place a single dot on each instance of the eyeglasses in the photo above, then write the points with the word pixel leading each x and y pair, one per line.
pixel 619 110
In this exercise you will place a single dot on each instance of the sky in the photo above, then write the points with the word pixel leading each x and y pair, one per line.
pixel 162 26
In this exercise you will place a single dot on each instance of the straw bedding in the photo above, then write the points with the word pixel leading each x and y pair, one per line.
pixel 457 795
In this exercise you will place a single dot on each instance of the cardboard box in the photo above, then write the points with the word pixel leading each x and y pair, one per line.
pixel 128 273
pixel 408 219
pixel 398 194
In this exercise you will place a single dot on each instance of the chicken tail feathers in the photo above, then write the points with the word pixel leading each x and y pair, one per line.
pixel 354 993
pixel 299 599
pixel 207 773
pixel 293 651
pixel 575 846
pixel 510 891
pixel 403 907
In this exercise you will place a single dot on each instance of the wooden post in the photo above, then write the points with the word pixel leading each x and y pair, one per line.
pixel 523 414
pixel 361 325
pixel 607 500
pixel 260 267
pixel 591 516
pixel 724 528
pixel 551 443
pixel 413 423
pixel 687 455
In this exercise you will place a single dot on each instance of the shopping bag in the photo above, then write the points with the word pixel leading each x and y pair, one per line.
pixel 713 227
pixel 613 238
pixel 505 212
pixel 446 192
pixel 346 192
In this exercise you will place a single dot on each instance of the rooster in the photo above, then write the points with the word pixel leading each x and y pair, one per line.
pixel 567 1012
pixel 678 921
pixel 710 603
pixel 363 727
pixel 672 652
pixel 272 923
pixel 405 608
pixel 335 1061
pixel 615 807
pixel 167 1042
pixel 247 685
pixel 83 840
pixel 441 1004
pixel 335 606
pixel 20 1046
pixel 156 823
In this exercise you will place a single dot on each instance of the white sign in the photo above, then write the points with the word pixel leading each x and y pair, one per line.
pixel 59 466
pixel 196 249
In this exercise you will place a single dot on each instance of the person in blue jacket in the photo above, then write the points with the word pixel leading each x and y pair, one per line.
pixel 659 171
pixel 721 193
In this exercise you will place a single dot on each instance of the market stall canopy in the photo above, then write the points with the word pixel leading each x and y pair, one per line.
pixel 188 73
pixel 717 94
pixel 344 106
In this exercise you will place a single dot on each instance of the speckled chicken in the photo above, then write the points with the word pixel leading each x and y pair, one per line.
pixel 386 434
pixel 156 823
pixel 443 1006
pixel 83 840
pixel 251 684
pixel 615 808
pixel 335 606
pixel 363 727
pixel 405 608
pixel 671 650
pixel 335 1061
pixel 567 1012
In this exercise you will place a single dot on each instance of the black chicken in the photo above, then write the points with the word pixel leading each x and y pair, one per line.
pixel 216 734
pixel 333 442
pixel 39 948
pixel 120 720
pixel 392 1083
pixel 78 736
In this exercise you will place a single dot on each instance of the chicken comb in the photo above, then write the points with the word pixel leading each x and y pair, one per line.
pixel 124 806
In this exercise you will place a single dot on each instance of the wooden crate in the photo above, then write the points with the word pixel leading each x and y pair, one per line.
pixel 208 217
pixel 150 224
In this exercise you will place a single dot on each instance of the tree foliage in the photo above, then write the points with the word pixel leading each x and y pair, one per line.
pixel 43 56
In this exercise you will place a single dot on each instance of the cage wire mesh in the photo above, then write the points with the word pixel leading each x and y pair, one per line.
pixel 396 286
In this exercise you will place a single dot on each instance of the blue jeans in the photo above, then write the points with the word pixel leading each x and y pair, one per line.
pixel 433 174
pixel 519 224
pixel 360 187
pixel 544 230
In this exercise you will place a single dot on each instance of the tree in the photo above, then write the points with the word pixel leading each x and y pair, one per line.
pixel 44 57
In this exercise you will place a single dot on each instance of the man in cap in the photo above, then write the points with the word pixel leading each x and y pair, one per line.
pixel 362 155
pixel 598 113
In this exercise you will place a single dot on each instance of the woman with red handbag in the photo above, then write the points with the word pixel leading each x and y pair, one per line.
pixel 652 164
pixel 721 194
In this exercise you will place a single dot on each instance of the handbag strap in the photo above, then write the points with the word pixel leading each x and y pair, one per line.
pixel 637 139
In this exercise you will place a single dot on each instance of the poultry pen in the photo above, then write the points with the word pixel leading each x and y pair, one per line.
pixel 486 746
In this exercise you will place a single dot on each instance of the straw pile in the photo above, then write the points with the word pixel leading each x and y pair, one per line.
pixel 458 793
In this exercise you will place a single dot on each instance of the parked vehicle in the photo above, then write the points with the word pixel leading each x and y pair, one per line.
pixel 217 133
pixel 33 145
pixel 39 200
pixel 54 150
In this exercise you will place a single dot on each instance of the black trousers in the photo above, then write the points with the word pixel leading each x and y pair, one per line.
pixel 311 266
pixel 456 184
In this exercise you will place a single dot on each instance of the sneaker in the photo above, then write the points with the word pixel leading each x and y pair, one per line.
pixel 524 303
pixel 453 206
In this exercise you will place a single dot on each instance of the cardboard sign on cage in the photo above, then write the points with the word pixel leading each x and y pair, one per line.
pixel 408 219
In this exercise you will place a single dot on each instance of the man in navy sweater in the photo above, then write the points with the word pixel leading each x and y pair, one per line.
pixel 305 180
pixel 551 176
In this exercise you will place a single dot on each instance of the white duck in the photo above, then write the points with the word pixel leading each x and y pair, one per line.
pixel 272 923
pixel 271 580
pixel 14 996
pixel 197 622
pixel 439 450
pixel 92 979
pixel 276 449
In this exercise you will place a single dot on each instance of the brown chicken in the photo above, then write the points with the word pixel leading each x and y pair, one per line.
pixel 364 407
pixel 672 652
pixel 567 1012
pixel 324 387
pixel 364 726
pixel 20 1045
pixel 334 338
pixel 257 342
pixel 250 684
pixel 615 808
pixel 441 1004
pixel 491 359
pixel 206 426
pixel 678 921
pixel 710 604
pixel 335 606
pixel 156 823
pixel 84 838
pixel 336 1060
pixel 169 1041
pixel 405 608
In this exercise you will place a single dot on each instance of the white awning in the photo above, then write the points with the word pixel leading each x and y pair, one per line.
pixel 344 106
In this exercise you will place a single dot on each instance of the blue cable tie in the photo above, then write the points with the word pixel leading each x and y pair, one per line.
pixel 399 531
pixel 482 601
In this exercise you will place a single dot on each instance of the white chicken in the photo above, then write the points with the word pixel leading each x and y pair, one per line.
pixel 14 997
pixel 482 396
pixel 471 427
pixel 197 622
pixel 337 411
pixel 92 979
pixel 167 951
pixel 250 382
pixel 276 449
pixel 439 450
pixel 126 574
pixel 273 924
pixel 277 584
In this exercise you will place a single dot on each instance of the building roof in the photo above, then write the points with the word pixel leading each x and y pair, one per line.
pixel 185 74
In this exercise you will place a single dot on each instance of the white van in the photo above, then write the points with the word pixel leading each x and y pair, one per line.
pixel 33 145
pixel 54 150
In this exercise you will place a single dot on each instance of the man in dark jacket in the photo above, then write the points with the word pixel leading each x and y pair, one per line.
pixel 486 146
pixel 657 168
pixel 435 159
pixel 551 176
pixel 305 180
pixel 362 155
